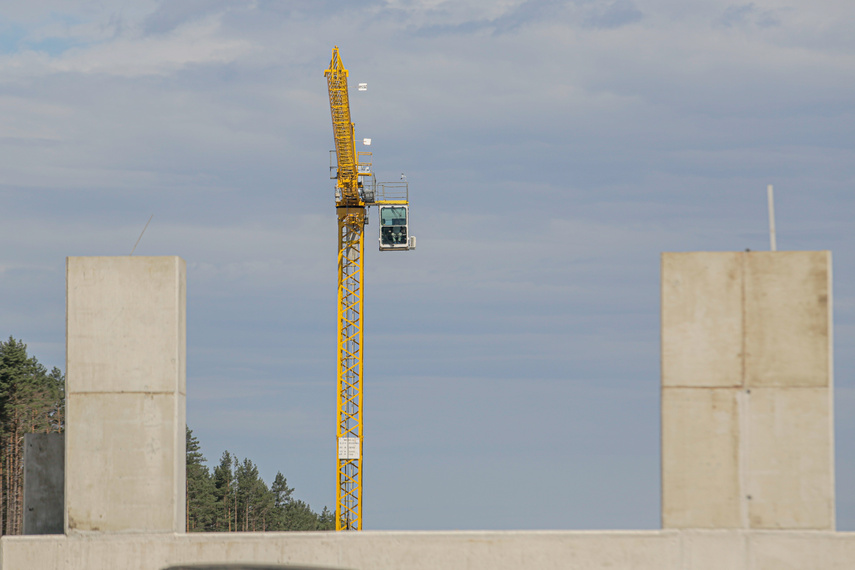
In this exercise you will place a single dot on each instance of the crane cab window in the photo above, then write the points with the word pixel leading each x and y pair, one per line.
pixel 393 228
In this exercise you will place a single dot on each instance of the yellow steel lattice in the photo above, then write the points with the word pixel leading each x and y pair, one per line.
pixel 351 225
pixel 345 143
pixel 352 198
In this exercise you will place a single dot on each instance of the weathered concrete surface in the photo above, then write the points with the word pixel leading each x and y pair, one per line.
pixel 44 483
pixel 788 319
pixel 700 459
pixel 585 550
pixel 747 417
pixel 125 390
pixel 789 433
pixel 127 462
pixel 702 319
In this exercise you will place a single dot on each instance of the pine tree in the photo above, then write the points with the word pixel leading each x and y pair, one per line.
pixel 281 493
pixel 224 487
pixel 298 516
pixel 238 499
pixel 201 493
pixel 326 520
pixel 254 499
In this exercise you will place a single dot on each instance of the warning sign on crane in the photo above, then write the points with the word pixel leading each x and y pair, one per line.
pixel 348 448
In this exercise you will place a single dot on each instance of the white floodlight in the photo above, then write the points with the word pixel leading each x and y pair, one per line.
pixel 366 142
pixel 362 87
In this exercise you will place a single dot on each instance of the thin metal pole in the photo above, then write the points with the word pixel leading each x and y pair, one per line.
pixel 772 241
pixel 141 233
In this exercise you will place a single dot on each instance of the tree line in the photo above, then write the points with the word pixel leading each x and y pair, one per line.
pixel 32 400
pixel 231 497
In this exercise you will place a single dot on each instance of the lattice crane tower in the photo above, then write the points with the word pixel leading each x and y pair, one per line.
pixel 355 191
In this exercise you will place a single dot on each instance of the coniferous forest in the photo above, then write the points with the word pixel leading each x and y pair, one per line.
pixel 231 498
pixel 32 400
pixel 234 498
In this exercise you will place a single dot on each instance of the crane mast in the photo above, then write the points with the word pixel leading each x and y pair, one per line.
pixel 353 196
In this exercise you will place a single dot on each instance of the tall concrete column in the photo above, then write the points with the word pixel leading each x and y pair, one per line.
pixel 125 389
pixel 747 415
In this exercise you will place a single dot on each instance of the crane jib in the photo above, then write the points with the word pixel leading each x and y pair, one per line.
pixel 345 143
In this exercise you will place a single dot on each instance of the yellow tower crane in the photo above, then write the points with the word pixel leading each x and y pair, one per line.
pixel 355 191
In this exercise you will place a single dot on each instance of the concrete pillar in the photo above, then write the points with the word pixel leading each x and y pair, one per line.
pixel 747 422
pixel 125 389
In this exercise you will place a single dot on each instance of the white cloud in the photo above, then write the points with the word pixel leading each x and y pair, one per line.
pixel 130 54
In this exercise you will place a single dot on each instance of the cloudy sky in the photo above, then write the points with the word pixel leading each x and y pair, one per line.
pixel 553 147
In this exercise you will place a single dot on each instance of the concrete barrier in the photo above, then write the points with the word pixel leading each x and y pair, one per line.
pixel 461 550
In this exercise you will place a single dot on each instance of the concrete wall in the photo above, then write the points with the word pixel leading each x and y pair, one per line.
pixel 512 550
pixel 125 389
pixel 747 423
pixel 44 483
pixel 746 437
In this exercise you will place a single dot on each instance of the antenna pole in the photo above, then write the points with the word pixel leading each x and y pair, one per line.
pixel 141 233
pixel 772 242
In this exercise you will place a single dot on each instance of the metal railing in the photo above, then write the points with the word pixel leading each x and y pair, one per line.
pixel 396 192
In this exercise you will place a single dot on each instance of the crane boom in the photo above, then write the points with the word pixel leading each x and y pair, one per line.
pixel 345 140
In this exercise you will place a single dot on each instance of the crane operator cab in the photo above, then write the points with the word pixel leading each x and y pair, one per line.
pixel 393 229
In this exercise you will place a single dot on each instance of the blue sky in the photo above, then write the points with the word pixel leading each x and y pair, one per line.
pixel 553 149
